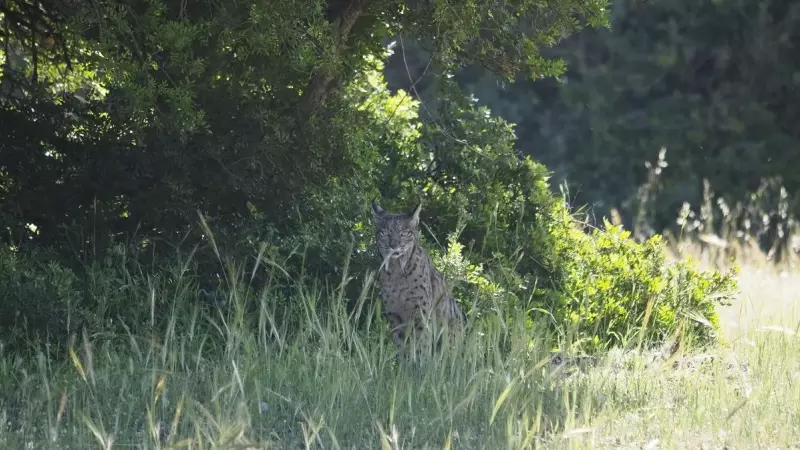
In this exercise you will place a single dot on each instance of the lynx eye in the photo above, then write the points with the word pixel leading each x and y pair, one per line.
pixel 383 233
pixel 405 233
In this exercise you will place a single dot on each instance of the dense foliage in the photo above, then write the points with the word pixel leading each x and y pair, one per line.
pixel 121 120
pixel 715 83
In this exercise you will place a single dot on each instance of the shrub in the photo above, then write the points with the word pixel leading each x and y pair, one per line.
pixel 615 289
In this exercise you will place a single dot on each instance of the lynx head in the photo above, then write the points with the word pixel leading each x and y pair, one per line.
pixel 396 234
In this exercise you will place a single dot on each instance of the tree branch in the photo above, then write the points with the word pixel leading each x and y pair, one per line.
pixel 343 17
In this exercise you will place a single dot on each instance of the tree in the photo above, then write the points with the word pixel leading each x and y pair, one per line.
pixel 234 108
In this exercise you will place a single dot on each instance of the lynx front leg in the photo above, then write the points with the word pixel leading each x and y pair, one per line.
pixel 408 338
pixel 422 334
pixel 397 329
pixel 398 334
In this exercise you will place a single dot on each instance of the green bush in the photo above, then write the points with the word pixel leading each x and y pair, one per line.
pixel 615 289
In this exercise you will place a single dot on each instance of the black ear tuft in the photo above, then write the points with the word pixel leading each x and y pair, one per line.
pixel 377 211
pixel 415 212
pixel 414 215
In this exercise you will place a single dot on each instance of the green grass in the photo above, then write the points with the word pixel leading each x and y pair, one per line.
pixel 236 381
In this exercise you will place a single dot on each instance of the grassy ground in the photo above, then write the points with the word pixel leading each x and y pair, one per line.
pixel 322 385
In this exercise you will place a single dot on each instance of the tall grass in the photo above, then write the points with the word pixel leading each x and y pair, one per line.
pixel 244 376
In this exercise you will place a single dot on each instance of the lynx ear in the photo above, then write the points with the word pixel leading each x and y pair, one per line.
pixel 377 211
pixel 414 215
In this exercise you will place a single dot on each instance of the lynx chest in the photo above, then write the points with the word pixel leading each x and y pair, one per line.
pixel 405 291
